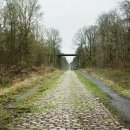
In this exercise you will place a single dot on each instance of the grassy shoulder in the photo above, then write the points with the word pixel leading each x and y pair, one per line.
pixel 50 83
pixel 103 97
pixel 9 115
pixel 118 80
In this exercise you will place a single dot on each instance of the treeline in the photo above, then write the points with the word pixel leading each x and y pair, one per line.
pixel 107 43
pixel 23 40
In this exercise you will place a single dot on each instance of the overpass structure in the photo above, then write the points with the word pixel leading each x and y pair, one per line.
pixel 61 54
pixel 67 55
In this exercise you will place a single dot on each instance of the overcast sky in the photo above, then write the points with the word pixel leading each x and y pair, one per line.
pixel 69 15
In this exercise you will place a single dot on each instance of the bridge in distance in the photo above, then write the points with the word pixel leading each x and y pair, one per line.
pixel 67 55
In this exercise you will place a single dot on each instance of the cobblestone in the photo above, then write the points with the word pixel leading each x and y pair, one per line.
pixel 70 106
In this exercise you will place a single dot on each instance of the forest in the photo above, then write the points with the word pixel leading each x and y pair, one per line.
pixel 40 90
pixel 23 38
pixel 107 43
pixel 25 43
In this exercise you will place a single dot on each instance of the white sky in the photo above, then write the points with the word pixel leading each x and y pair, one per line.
pixel 69 15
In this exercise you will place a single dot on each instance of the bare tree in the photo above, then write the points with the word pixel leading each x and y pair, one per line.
pixel 106 44
pixel 53 42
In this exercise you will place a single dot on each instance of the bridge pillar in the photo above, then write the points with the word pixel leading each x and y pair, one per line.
pixel 59 61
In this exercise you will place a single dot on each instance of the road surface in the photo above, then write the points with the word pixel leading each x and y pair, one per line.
pixel 69 106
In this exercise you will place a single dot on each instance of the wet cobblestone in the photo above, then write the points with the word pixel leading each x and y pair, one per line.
pixel 70 106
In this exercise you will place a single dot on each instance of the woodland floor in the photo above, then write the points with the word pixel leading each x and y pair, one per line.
pixel 68 105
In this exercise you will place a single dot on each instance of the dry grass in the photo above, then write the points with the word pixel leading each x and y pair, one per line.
pixel 16 74
pixel 9 95
pixel 118 80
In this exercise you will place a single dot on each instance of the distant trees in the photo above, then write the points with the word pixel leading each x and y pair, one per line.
pixel 22 39
pixel 53 41
pixel 106 44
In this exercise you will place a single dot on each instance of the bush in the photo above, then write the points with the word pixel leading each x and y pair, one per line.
pixel 5 81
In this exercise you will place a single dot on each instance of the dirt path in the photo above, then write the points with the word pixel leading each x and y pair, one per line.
pixel 69 106
pixel 120 102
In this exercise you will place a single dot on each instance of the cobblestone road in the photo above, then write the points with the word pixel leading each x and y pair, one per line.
pixel 69 106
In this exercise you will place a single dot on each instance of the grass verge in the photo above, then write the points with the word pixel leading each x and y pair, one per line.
pixel 103 97
pixel 117 79
pixel 22 107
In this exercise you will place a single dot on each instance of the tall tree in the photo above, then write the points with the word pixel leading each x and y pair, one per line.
pixel 53 43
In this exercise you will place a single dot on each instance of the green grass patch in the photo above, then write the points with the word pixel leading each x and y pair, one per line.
pixel 26 105
pixel 103 97
pixel 49 84
pixel 8 95
pixel 49 106
pixel 117 79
